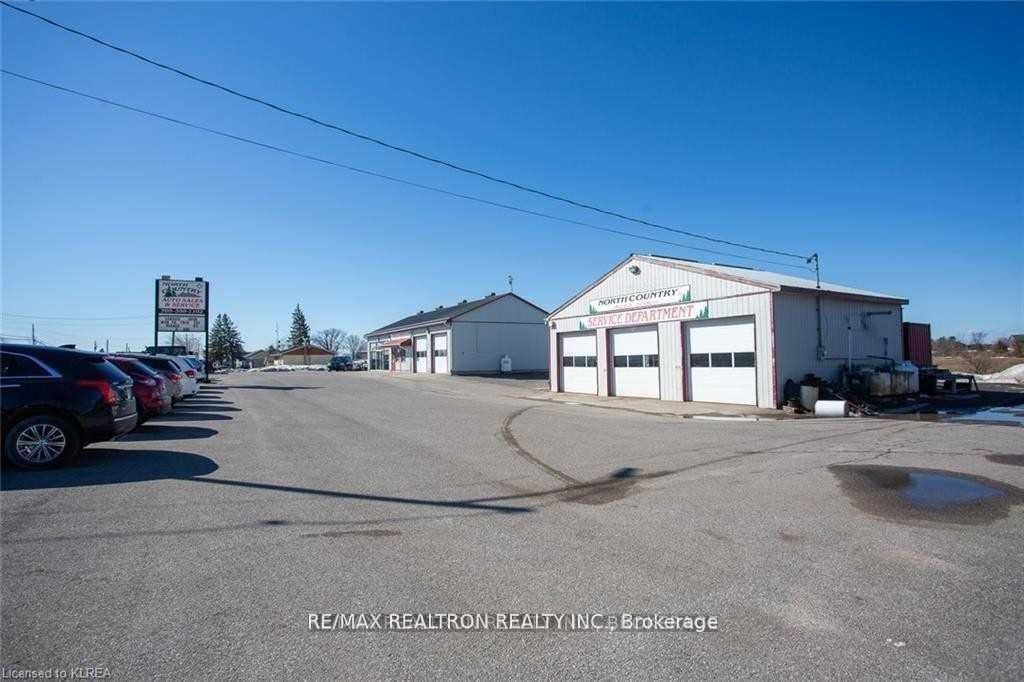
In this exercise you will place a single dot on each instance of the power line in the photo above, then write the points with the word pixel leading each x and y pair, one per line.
pixel 389 178
pixel 77 319
pixel 392 146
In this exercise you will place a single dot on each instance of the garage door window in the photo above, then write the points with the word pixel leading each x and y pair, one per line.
pixel 742 359
pixel 635 361
pixel 721 359
pixel 579 361
pixel 441 353
pixel 700 360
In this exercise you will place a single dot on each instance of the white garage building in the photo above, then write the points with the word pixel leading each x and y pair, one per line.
pixel 470 337
pixel 674 329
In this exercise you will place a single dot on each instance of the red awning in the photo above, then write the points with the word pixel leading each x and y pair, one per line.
pixel 395 342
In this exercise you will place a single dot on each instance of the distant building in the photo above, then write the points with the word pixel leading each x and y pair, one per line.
pixel 259 358
pixel 303 355
pixel 466 338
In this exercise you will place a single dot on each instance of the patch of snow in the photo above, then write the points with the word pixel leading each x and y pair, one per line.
pixel 1010 375
pixel 289 368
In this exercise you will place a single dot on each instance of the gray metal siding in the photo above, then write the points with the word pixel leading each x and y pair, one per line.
pixel 507 326
pixel 796 335
pixel 654 276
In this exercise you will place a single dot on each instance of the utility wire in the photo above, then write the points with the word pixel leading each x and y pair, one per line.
pixel 395 147
pixel 77 319
pixel 389 178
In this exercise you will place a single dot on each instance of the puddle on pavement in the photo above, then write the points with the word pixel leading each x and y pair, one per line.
pixel 906 494
pixel 1004 416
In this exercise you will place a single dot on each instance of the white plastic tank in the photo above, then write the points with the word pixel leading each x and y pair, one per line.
pixel 506 364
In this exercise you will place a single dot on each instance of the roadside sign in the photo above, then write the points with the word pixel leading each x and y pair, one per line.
pixel 181 323
pixel 181 296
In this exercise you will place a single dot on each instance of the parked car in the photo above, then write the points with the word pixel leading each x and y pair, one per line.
pixel 55 401
pixel 359 365
pixel 339 363
pixel 190 382
pixel 152 391
pixel 169 369
pixel 199 365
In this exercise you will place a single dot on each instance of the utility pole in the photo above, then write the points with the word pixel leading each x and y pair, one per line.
pixel 106 348
pixel 33 333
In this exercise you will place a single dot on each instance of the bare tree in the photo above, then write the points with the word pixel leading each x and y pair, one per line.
pixel 978 340
pixel 979 361
pixel 353 343
pixel 331 339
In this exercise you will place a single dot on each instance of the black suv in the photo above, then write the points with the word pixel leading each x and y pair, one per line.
pixel 339 363
pixel 55 401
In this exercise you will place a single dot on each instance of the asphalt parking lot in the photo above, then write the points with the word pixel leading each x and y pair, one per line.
pixel 198 545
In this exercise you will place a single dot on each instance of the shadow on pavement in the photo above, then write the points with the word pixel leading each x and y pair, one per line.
pixel 150 431
pixel 104 466
pixel 457 504
pixel 189 406
pixel 179 415
pixel 261 387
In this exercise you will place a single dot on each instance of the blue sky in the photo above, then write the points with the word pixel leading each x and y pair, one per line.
pixel 888 138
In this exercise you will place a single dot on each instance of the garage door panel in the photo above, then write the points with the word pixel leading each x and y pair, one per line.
pixel 578 362
pixel 439 343
pixel 635 363
pixel 722 362
pixel 420 348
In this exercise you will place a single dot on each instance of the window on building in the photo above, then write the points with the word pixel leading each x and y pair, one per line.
pixel 721 359
pixel 567 361
pixel 650 361
pixel 620 361
pixel 699 360
pixel 441 353
pixel 742 359
pixel 591 361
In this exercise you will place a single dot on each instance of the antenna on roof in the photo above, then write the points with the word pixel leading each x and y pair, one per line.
pixel 510 283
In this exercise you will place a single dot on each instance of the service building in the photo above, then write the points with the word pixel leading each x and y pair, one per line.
pixel 674 329
pixel 470 337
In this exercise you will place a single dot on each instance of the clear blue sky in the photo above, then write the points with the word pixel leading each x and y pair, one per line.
pixel 888 138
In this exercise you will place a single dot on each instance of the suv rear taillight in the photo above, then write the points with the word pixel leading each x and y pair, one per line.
pixel 173 377
pixel 190 373
pixel 101 385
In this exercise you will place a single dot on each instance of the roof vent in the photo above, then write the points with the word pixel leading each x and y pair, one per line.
pixel 420 312
pixel 438 307
pixel 490 294
pixel 463 301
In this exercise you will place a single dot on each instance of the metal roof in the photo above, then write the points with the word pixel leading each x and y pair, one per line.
pixel 444 314
pixel 773 279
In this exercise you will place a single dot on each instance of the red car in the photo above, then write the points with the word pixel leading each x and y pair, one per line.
pixel 152 391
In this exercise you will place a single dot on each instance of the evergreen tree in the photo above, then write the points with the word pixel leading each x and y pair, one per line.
pixel 225 341
pixel 300 328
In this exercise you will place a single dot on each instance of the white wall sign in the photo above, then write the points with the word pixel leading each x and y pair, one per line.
pixel 181 323
pixel 679 294
pixel 182 296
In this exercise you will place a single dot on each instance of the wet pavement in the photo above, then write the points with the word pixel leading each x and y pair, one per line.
pixel 911 495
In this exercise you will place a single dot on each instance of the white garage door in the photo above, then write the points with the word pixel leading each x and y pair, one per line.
pixel 440 342
pixel 422 362
pixel 722 361
pixel 578 355
pixel 635 362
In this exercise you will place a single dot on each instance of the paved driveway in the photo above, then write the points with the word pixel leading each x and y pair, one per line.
pixel 199 545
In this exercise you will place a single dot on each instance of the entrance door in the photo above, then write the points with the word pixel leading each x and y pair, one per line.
pixel 723 361
pixel 635 362
pixel 440 350
pixel 422 362
pixel 578 359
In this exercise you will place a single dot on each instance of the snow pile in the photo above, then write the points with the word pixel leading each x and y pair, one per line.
pixel 1010 375
pixel 289 368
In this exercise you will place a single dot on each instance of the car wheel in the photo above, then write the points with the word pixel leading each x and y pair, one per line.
pixel 41 442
